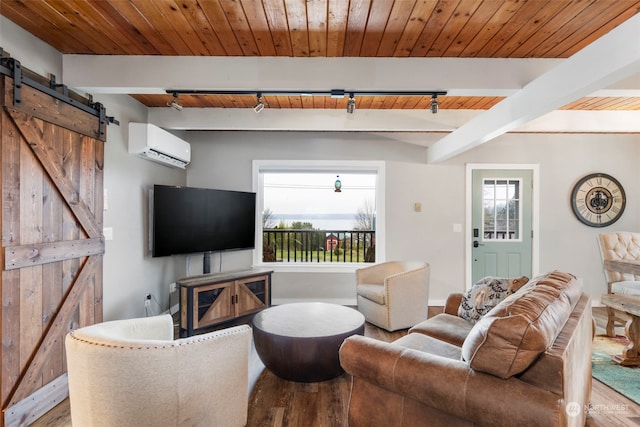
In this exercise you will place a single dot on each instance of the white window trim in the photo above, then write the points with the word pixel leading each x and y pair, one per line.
pixel 378 167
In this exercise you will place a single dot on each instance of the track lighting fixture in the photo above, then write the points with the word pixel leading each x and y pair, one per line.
pixel 174 103
pixel 260 105
pixel 351 104
pixel 333 93
pixel 434 104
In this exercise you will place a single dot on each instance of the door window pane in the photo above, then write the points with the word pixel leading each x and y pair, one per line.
pixel 501 209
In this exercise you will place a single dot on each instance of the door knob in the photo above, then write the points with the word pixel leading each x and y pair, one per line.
pixel 476 244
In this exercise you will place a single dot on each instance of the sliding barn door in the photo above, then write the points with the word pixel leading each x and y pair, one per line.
pixel 52 243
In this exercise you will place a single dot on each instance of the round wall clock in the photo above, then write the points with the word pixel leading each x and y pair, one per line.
pixel 598 200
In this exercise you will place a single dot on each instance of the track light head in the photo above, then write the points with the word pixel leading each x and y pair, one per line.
pixel 260 105
pixel 174 103
pixel 351 104
pixel 434 104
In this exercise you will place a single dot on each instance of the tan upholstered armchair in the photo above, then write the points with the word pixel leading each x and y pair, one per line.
pixel 620 246
pixel 132 372
pixel 393 295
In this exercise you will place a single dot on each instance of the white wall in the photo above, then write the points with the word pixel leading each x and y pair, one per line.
pixel 428 235
pixel 223 160
pixel 129 272
pixel 32 52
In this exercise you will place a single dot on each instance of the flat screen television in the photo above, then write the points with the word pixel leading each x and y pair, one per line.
pixel 189 220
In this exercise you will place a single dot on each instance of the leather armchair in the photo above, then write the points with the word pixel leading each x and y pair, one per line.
pixel 620 246
pixel 132 372
pixel 393 295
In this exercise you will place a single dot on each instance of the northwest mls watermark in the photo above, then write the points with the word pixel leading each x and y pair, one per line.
pixel 602 408
pixel 574 409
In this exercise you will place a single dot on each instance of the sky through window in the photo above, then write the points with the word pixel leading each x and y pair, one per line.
pixel 310 197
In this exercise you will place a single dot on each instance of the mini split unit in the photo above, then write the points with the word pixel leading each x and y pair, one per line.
pixel 153 143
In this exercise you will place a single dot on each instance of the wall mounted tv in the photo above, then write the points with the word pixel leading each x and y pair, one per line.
pixel 189 220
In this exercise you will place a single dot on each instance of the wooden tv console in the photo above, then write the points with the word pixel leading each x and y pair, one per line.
pixel 210 299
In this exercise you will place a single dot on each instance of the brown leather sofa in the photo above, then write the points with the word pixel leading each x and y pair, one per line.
pixel 525 363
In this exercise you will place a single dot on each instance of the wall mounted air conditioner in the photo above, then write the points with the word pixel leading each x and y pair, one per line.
pixel 153 143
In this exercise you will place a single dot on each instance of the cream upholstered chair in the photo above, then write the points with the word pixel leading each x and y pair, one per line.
pixel 619 246
pixel 393 295
pixel 133 373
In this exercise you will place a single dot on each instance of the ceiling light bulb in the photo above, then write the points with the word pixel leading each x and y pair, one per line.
pixel 434 104
pixel 174 103
pixel 260 105
pixel 351 105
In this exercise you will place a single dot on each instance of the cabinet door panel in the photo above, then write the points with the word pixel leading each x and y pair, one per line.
pixel 252 295
pixel 213 305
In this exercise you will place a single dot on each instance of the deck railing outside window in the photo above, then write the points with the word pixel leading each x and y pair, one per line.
pixel 344 246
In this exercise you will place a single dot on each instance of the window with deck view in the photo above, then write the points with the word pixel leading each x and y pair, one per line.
pixel 318 216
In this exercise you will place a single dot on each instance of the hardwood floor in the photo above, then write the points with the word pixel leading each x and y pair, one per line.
pixel 279 403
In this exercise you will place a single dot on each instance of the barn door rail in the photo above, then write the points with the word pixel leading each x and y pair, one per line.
pixel 11 67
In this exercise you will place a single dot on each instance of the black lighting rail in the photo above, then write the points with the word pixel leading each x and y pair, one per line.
pixel 11 67
pixel 334 93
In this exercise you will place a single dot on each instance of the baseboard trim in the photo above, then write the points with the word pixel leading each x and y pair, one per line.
pixel 29 409
pixel 437 302
pixel 339 301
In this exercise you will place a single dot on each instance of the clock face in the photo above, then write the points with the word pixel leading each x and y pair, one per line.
pixel 598 200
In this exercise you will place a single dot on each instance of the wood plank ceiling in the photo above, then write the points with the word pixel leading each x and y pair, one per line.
pixel 328 28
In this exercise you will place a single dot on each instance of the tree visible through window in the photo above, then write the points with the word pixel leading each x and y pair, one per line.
pixel 309 217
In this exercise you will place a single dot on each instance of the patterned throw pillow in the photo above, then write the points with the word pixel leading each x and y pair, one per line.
pixel 486 294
